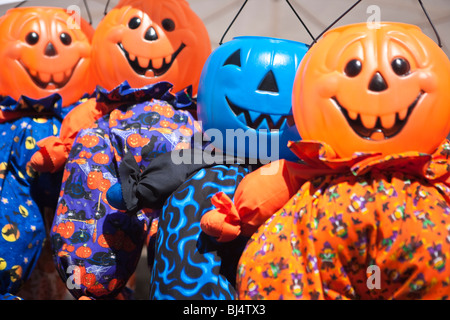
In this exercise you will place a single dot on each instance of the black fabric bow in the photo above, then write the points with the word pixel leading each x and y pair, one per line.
pixel 151 187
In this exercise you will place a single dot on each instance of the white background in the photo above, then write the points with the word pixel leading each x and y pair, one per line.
pixel 274 18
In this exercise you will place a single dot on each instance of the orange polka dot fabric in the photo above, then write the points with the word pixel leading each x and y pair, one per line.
pixel 374 231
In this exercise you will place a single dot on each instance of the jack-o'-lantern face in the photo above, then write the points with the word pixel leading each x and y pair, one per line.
pixel 362 89
pixel 149 41
pixel 246 85
pixel 43 51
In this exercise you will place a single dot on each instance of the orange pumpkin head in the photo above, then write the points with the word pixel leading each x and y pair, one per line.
pixel 83 252
pixel 145 42
pixel 362 89
pixel 43 53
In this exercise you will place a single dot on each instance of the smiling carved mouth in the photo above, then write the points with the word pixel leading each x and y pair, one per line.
pixel 150 67
pixel 255 119
pixel 378 132
pixel 49 81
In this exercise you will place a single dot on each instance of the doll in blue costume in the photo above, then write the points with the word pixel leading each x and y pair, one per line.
pixel 46 64
pixel 244 90
pixel 141 51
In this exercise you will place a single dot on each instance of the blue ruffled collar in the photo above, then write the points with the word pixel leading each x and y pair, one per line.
pixel 124 93
pixel 52 104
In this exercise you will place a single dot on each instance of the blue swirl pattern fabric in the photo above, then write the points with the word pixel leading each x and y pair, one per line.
pixel 188 264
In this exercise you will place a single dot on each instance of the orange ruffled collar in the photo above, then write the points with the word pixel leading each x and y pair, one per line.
pixel 227 220
pixel 321 158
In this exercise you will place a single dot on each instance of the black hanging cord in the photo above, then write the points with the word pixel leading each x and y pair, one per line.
pixel 432 25
pixel 106 8
pixel 301 21
pixel 290 5
pixel 21 4
pixel 234 19
pixel 336 21
pixel 88 11
pixel 85 4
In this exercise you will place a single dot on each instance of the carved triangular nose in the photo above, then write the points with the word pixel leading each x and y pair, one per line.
pixel 151 35
pixel 50 50
pixel 268 83
pixel 377 83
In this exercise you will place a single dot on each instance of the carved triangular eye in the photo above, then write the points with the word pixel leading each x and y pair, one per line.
pixel 268 83
pixel 234 58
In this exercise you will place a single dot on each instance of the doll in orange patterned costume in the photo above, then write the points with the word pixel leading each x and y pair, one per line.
pixel 365 214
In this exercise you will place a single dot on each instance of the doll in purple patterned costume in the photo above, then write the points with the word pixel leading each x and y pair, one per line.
pixel 97 247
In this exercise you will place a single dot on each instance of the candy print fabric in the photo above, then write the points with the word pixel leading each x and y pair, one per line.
pixel 54 150
pixel 388 214
pixel 97 247
pixel 24 194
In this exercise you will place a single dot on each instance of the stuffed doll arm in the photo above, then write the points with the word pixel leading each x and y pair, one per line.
pixel 151 187
pixel 54 151
pixel 259 195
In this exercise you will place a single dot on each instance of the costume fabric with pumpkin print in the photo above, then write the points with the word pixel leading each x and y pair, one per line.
pixel 351 221
pixel 97 247
pixel 24 194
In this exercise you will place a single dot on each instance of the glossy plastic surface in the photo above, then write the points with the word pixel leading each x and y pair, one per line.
pixel 145 42
pixel 247 84
pixel 362 89
pixel 44 51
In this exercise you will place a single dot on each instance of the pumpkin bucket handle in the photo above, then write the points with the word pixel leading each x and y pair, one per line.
pixel 84 1
pixel 242 7
pixel 335 21
pixel 105 12
pixel 431 23
pixel 357 2
pixel 21 3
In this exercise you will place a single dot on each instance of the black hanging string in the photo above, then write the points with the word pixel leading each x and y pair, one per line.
pixel 336 21
pixel 301 21
pixel 106 8
pixel 234 19
pixel 431 23
pixel 85 4
pixel 88 11
pixel 242 7
pixel 18 5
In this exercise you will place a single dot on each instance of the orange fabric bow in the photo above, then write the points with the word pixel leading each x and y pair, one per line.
pixel 246 214
pixel 266 193
pixel 54 151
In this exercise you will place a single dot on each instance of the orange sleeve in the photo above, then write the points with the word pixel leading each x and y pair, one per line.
pixel 263 192
pixel 259 195
pixel 54 150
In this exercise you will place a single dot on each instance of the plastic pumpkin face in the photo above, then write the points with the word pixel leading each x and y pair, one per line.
pixel 145 42
pixel 247 84
pixel 374 90
pixel 43 53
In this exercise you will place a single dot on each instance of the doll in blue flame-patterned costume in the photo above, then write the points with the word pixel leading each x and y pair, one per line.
pixel 236 91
